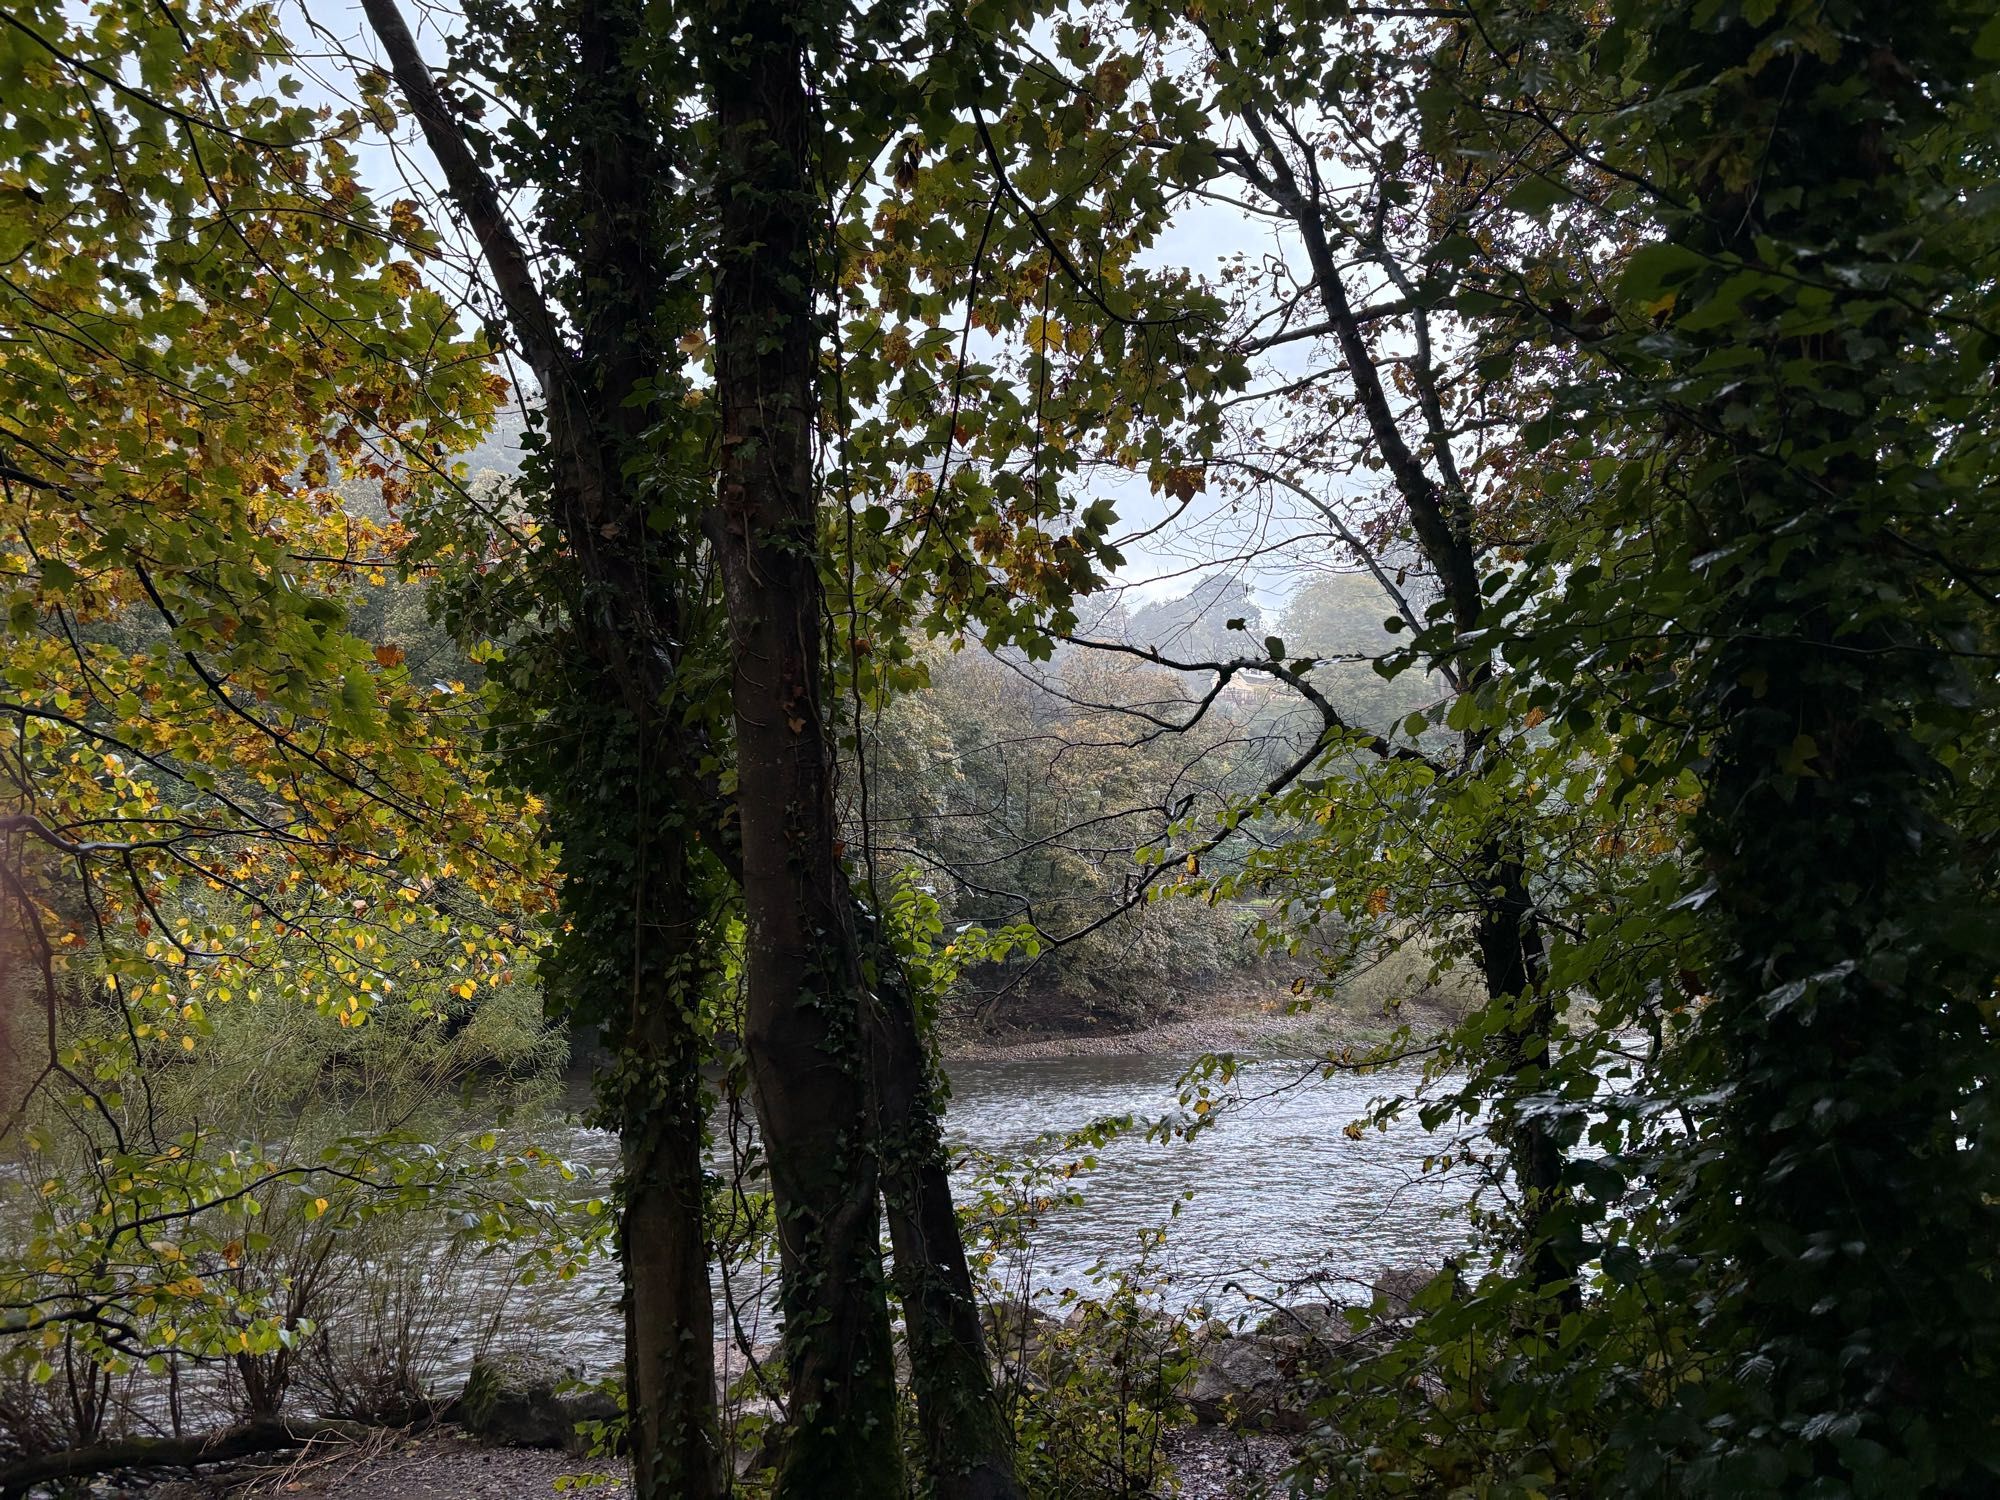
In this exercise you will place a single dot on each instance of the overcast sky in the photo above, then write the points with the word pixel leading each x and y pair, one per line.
pixel 1161 566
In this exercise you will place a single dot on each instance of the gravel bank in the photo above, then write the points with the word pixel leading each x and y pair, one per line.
pixel 1261 1027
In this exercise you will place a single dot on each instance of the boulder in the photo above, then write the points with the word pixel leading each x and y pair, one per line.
pixel 1307 1320
pixel 1398 1286
pixel 1246 1381
pixel 734 1378
pixel 1016 1329
pixel 522 1401
pixel 1021 1340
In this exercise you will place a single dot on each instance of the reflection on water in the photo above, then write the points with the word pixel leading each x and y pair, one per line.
pixel 1279 1191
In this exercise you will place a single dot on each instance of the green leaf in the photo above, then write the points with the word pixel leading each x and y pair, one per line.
pixel 1536 195
pixel 1987 46
pixel 1656 268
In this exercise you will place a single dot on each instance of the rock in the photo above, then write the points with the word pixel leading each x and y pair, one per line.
pixel 1323 1338
pixel 519 1400
pixel 734 1377
pixel 1246 1381
pixel 1020 1341
pixel 1398 1286
pixel 1394 1288
pixel 1307 1320
pixel 1016 1329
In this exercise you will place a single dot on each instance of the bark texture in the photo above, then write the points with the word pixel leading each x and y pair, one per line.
pixel 670 1383
pixel 631 628
pixel 968 1445
pixel 804 993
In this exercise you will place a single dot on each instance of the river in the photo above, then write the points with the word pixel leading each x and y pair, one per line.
pixel 1274 1193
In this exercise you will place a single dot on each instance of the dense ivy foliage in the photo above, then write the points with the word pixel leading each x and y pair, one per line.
pixel 1793 366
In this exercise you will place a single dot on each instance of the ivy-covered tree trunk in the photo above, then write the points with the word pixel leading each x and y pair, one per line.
pixel 656 1092
pixel 1509 942
pixel 804 1027
pixel 1813 373
pixel 1512 957
pixel 612 740
pixel 968 1445
pixel 640 960
pixel 1512 961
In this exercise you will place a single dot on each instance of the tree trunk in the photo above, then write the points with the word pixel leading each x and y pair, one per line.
pixel 269 1435
pixel 668 951
pixel 1851 1200
pixel 968 1445
pixel 631 622
pixel 1511 961
pixel 669 1308
pixel 804 994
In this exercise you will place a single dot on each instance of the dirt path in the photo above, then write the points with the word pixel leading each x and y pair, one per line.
pixel 441 1464
pixel 444 1464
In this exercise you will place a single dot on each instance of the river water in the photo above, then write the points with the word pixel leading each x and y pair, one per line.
pixel 1272 1195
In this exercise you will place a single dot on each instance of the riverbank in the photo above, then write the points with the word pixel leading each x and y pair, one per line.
pixel 1255 1023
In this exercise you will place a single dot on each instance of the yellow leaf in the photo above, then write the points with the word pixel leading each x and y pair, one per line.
pixel 1797 760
